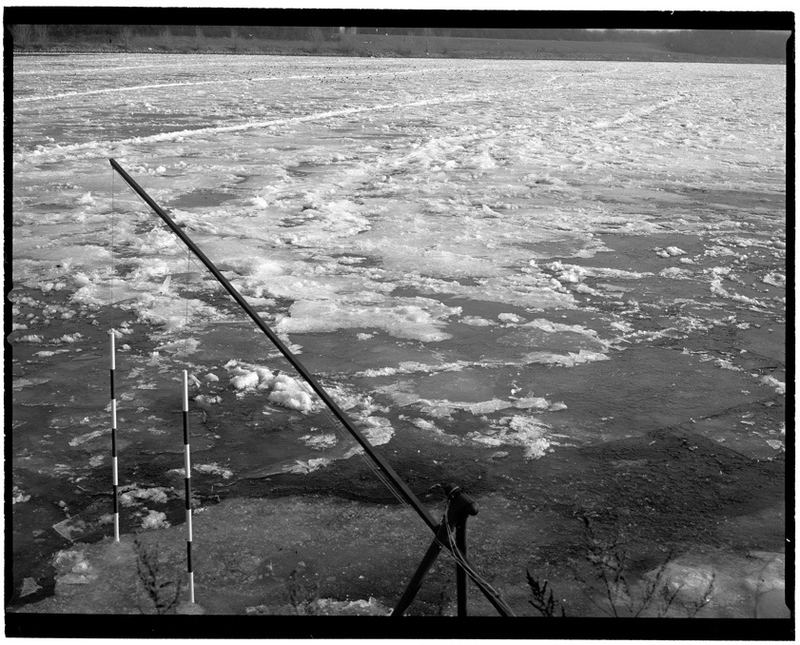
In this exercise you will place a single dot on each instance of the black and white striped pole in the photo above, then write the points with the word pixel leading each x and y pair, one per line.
pixel 114 470
pixel 188 484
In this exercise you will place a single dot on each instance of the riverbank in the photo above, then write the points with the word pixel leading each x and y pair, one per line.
pixel 393 46
pixel 317 554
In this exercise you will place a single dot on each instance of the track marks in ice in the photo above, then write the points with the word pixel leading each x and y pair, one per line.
pixel 73 71
pixel 639 113
pixel 102 147
pixel 261 79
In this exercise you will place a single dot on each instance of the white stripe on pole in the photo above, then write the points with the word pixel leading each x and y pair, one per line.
pixel 113 351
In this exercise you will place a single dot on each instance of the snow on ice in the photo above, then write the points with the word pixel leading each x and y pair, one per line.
pixel 411 230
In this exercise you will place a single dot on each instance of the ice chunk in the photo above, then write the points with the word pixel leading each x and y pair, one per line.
pixel 282 389
pixel 415 318
pixel 18 496
pixel 132 495
pixel 780 386
pixel 320 441
pixel 379 432
pixel 30 586
pixel 309 465
pixel 29 338
pixel 155 520
pixel 476 321
pixel 292 394
pixel 670 251
pixel 246 381
pixel 675 273
pixel 775 278
pixel 72 567
pixel 524 431
pixel 214 469
pixel 565 360
pixel 81 439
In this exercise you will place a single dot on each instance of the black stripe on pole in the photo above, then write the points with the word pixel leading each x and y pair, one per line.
pixel 188 488
pixel 400 485
pixel 113 443
pixel 189 557
pixel 111 374
pixel 116 501
pixel 185 415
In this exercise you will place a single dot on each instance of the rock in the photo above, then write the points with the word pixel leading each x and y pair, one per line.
pixel 187 607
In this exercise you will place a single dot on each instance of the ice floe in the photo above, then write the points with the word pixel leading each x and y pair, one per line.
pixel 527 432
pixel 280 389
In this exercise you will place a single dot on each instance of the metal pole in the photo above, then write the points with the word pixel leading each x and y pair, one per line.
pixel 461 575
pixel 401 486
pixel 416 580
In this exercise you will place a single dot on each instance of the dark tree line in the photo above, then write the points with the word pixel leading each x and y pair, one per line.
pixel 707 42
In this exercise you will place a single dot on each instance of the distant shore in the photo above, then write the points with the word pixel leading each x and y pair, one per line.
pixel 393 46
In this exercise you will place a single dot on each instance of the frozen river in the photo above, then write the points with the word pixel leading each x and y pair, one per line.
pixel 505 259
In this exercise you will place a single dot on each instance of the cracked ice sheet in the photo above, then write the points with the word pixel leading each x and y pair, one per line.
pixel 366 217
pixel 457 153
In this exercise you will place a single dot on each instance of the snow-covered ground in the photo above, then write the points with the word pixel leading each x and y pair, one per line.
pixel 509 254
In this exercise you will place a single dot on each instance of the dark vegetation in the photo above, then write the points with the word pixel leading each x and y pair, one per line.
pixel 160 583
pixel 710 45
pixel 610 581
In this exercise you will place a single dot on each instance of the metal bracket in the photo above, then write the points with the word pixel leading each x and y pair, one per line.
pixel 459 507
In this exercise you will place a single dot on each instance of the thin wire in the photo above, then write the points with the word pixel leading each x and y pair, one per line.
pixel 381 477
pixel 461 559
pixel 186 298
pixel 113 224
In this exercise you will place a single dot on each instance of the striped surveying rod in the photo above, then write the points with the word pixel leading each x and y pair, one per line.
pixel 188 482
pixel 114 474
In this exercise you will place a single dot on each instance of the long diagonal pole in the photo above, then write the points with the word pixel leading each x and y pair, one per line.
pixel 387 470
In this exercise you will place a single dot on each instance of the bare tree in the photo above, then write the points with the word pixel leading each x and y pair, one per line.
pixel 199 37
pixel 317 37
pixel 126 36
pixel 42 35
pixel 21 35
